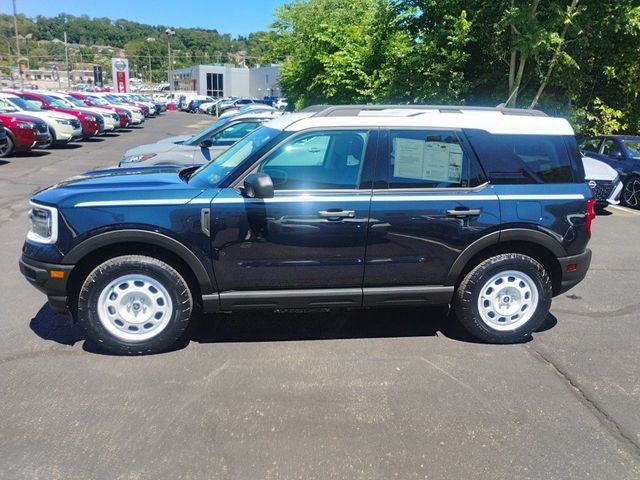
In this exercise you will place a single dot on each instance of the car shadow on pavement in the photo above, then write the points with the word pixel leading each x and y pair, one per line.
pixel 284 326
pixel 56 327
pixel 67 146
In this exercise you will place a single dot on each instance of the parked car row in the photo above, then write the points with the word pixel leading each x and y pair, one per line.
pixel 217 106
pixel 40 119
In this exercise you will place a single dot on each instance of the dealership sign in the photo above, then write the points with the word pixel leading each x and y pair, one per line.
pixel 120 74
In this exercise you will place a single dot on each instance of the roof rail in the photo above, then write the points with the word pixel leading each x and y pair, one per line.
pixel 352 110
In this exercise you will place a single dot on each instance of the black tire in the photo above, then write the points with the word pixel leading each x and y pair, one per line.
pixel 7 149
pixel 467 310
pixel 51 141
pixel 630 195
pixel 175 320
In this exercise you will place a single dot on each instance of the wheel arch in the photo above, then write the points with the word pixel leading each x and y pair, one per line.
pixel 93 251
pixel 541 247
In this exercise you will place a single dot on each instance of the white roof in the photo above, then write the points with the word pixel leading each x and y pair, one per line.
pixel 492 121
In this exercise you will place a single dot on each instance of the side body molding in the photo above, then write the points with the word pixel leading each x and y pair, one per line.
pixel 508 235
pixel 143 236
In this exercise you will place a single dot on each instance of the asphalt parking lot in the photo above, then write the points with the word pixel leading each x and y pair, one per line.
pixel 372 394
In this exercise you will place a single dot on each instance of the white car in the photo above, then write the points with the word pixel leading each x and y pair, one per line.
pixel 62 126
pixel 137 116
pixel 603 181
pixel 111 119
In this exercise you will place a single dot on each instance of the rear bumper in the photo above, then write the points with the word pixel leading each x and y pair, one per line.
pixel 571 278
pixel 38 274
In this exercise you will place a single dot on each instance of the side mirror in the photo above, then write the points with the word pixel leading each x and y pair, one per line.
pixel 258 185
pixel 208 143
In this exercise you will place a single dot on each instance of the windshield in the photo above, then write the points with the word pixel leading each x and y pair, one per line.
pixel 633 147
pixel 75 101
pixel 6 106
pixel 21 104
pixel 56 102
pixel 99 101
pixel 115 100
pixel 198 137
pixel 212 173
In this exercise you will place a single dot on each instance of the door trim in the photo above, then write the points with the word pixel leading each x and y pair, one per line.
pixel 328 298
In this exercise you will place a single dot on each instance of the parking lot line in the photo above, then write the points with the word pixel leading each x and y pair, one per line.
pixel 626 209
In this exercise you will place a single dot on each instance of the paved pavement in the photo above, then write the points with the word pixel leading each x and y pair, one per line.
pixel 377 394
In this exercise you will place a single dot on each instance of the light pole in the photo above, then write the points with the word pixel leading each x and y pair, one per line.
pixel 169 33
pixel 150 40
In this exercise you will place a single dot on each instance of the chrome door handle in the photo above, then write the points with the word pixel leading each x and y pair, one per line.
pixel 469 212
pixel 337 213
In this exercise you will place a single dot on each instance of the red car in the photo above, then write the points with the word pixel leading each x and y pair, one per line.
pixel 92 124
pixel 125 116
pixel 23 133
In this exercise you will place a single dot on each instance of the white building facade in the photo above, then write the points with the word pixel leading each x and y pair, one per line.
pixel 228 81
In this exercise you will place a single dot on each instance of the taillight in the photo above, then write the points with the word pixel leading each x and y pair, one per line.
pixel 591 214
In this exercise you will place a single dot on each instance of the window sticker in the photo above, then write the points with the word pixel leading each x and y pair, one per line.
pixel 436 161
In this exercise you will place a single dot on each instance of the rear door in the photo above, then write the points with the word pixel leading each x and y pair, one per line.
pixel 430 202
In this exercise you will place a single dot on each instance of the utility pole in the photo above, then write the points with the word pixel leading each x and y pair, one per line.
pixel 149 40
pixel 169 33
pixel 15 27
pixel 66 60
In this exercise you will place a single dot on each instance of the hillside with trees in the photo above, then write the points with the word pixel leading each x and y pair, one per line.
pixel 575 58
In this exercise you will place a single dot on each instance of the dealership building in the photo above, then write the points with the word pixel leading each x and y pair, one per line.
pixel 228 81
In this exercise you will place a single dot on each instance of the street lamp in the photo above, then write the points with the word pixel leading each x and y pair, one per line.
pixel 150 40
pixel 169 33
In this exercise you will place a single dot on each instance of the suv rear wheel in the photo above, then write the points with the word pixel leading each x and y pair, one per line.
pixel 134 304
pixel 504 298
pixel 631 192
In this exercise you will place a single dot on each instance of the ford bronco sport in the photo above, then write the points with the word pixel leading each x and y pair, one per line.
pixel 354 206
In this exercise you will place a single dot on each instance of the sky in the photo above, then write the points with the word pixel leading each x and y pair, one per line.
pixel 237 17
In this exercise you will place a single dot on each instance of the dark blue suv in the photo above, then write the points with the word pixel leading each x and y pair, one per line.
pixel 622 152
pixel 333 207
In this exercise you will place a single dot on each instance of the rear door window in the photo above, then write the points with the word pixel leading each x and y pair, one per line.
pixel 591 145
pixel 426 159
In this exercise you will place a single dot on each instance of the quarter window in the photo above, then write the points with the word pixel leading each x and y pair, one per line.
pixel 318 160
pixel 523 159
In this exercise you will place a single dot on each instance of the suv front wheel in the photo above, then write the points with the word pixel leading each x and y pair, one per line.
pixel 134 304
pixel 504 298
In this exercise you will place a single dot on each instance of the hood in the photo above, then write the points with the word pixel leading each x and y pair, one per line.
pixel 175 139
pixel 161 148
pixel 120 186
pixel 597 170
pixel 49 115
pixel 20 117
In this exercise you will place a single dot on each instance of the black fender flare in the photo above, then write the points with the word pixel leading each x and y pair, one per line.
pixel 77 253
pixel 495 238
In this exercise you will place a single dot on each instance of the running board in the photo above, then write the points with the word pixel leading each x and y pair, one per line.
pixel 328 298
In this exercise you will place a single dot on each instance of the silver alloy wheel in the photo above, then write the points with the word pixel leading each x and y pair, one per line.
pixel 134 307
pixel 508 300
pixel 631 193
pixel 5 148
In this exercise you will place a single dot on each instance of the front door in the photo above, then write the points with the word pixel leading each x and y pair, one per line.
pixel 429 204
pixel 311 234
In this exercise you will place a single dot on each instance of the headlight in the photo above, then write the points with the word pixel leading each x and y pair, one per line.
pixel 138 158
pixel 26 125
pixel 90 118
pixel 63 121
pixel 44 224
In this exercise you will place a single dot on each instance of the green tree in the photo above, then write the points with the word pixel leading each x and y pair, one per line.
pixel 338 51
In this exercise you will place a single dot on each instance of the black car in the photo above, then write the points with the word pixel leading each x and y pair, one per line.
pixel 622 152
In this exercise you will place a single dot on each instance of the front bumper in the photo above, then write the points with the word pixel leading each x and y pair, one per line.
pixel 38 274
pixel 571 278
